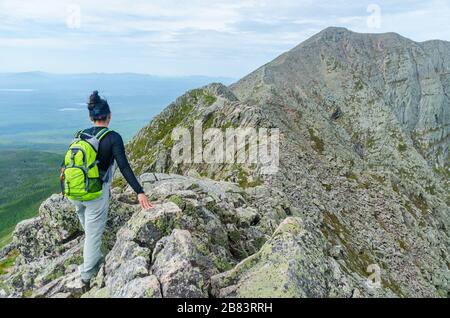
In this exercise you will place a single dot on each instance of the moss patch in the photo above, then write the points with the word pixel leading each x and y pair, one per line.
pixel 336 232
pixel 395 188
pixel 444 172
pixel 370 142
pixel 420 202
pixel 178 201
pixel 431 189
pixel 160 129
pixel 210 99
pixel 336 226
pixel 27 294
pixel 8 262
pixel 351 176
pixel 394 287
pixel 359 84
pixel 54 274
pixel 378 178
pixel 318 144
pixel 74 260
pixel 402 147
pixel 244 180
pixel 119 182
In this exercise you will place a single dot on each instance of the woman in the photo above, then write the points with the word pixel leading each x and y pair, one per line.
pixel 93 214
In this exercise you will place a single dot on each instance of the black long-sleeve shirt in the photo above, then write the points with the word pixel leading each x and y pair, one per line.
pixel 112 148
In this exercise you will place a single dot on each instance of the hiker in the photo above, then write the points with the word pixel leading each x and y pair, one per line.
pixel 86 178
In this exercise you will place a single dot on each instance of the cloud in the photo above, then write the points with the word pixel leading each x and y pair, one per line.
pixel 219 37
pixel 17 90
pixel 71 109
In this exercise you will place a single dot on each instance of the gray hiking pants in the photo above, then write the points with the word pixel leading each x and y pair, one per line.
pixel 93 216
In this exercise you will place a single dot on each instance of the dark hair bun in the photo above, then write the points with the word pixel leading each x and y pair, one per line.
pixel 93 99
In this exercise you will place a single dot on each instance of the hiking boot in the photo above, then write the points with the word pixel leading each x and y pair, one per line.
pixel 85 286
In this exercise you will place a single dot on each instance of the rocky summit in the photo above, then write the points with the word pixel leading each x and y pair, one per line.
pixel 359 206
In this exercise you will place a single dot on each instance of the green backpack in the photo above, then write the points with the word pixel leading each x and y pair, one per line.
pixel 80 177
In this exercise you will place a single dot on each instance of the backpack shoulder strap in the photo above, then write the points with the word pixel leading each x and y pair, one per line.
pixel 102 133
pixel 78 133
pixel 77 136
pixel 94 141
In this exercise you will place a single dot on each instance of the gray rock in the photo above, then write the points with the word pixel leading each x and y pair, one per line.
pixel 175 265
pixel 142 287
pixel 247 216
pixel 286 266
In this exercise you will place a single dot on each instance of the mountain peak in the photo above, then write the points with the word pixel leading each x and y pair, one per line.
pixel 334 29
pixel 339 33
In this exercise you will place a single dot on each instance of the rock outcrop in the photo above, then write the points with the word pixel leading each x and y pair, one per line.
pixel 358 208
pixel 197 229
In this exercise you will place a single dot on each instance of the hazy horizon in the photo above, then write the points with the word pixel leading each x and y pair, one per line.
pixel 43 110
pixel 121 73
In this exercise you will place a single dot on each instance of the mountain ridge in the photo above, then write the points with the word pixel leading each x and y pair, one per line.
pixel 359 207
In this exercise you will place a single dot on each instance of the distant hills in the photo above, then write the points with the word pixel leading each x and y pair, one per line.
pixel 44 109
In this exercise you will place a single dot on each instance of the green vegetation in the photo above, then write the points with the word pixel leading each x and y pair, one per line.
pixel 244 180
pixel 395 188
pixel 161 127
pixel 402 147
pixel 377 177
pixel 318 143
pixel 351 176
pixel 420 202
pixel 431 189
pixel 208 123
pixel 119 182
pixel 178 201
pixel 209 99
pixel 28 177
pixel 370 142
pixel 8 262
pixel 75 259
pixel 27 294
pixel 201 94
pixel 228 125
pixel 394 287
pixel 336 232
pixel 54 274
pixel 444 172
pixel 359 84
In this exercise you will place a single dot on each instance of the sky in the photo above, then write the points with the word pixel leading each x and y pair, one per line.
pixel 197 37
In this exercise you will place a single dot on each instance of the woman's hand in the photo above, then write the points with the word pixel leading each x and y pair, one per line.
pixel 143 201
